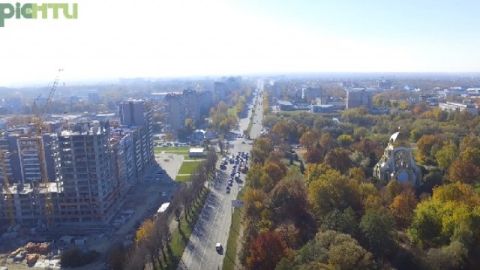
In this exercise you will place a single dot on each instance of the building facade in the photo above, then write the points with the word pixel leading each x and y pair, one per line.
pixel 358 97
pixel 397 163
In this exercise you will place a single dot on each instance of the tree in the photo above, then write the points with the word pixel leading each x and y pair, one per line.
pixel 339 159
pixel 275 170
pixel 342 221
pixel 446 155
pixel 448 257
pixel 426 147
pixel 266 250
pixel 327 194
pixel 402 207
pixel 377 229
pixel 451 214
pixel 326 141
pixel 464 171
pixel 344 140
pixel 329 250
pixel 314 154
pixel 289 198
pixel 261 149
pixel 309 139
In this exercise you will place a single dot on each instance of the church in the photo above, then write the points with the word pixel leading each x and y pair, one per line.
pixel 397 163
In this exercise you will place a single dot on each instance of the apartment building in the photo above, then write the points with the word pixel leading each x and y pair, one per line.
pixel 93 167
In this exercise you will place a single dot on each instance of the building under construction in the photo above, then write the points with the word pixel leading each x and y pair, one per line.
pixel 90 166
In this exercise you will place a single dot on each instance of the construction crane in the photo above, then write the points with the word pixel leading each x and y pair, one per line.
pixel 8 196
pixel 39 114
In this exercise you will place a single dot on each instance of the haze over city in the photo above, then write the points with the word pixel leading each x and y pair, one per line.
pixel 240 135
pixel 114 39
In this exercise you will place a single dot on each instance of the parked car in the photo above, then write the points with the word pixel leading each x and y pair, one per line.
pixel 219 248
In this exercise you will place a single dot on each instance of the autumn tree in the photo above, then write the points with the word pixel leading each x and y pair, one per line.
pixel 402 207
pixel 339 159
pixel 309 139
pixel 446 155
pixel 451 214
pixel 466 168
pixel 328 251
pixel 265 251
pixel 328 193
pixel 261 149
pixel 427 146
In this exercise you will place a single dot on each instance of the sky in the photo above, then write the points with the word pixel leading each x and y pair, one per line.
pixel 177 38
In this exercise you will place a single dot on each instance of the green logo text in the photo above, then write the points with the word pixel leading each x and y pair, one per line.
pixel 37 11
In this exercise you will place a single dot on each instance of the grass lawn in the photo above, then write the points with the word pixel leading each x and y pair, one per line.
pixel 188 167
pixel 183 150
pixel 181 235
pixel 232 249
pixel 174 150
pixel 182 178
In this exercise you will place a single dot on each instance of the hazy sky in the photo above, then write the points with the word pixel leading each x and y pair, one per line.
pixel 159 38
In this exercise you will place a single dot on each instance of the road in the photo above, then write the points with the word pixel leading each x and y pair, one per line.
pixel 214 221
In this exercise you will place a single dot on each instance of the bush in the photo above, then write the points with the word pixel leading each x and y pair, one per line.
pixel 75 257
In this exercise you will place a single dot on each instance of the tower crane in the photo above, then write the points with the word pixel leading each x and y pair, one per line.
pixel 39 114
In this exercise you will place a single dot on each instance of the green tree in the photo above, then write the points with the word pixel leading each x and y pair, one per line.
pixel 446 155
pixel 453 213
pixel 328 193
pixel 344 140
pixel 328 250
pixel 377 229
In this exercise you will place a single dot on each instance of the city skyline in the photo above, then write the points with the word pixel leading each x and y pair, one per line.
pixel 160 39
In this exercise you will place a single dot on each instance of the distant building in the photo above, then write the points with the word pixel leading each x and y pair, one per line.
pixel 196 152
pixel 189 104
pixel 285 105
pixel 397 163
pixel 384 84
pixel 453 106
pixel 322 108
pixel 220 90
pixel 132 112
pixel 310 94
pixel 94 97
pixel 358 97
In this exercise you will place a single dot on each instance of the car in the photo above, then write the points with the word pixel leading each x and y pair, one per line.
pixel 219 248
pixel 228 190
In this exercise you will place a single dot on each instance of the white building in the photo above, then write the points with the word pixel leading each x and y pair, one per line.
pixel 397 163
pixel 453 106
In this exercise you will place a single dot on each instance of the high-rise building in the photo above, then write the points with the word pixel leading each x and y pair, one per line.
pixel 136 117
pixel 190 104
pixel 88 180
pixel 358 97
pixel 132 112
pixel 91 167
